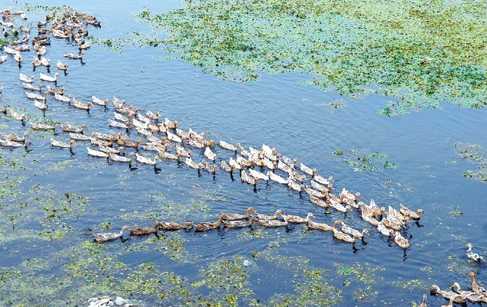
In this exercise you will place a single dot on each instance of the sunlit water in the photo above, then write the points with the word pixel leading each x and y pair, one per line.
pixel 282 111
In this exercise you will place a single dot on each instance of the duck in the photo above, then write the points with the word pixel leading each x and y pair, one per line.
pixel 226 167
pixel 476 287
pixel 243 163
pixel 62 98
pixel 63 67
pixel 233 224
pixel 207 226
pixel 41 105
pixel 21 117
pixel 100 102
pixel 306 169
pixel 271 223
pixel 295 176
pixel 269 153
pixel 468 295
pixel 400 240
pixel 285 167
pixel 341 236
pixel 79 137
pixel 116 124
pixel 234 216
pixel 73 129
pixel 119 158
pixel 104 237
pixel 312 192
pixel 334 202
pixel 96 153
pixel 18 59
pixel 473 256
pixel 43 127
pixel 146 160
pixel 143 231
pixel 348 198
pixel 210 168
pixel 209 154
pixel 170 124
pixel 168 156
pixel 100 142
pixel 171 226
pixel 173 137
pixel 292 219
pixel 73 56
pixel 435 290
pixel 227 146
pixel 108 150
pixel 410 214
pixel 276 178
pixel 319 202
pixel 383 230
pixel 295 186
pixel 359 235
pixel 258 175
pixel 35 96
pixel 25 79
pixel 48 78
pixel 319 187
pixel 12 144
pixel 3 59
pixel 318 226
pixel 30 87
pixel 246 178
pixel 81 105
pixel 323 181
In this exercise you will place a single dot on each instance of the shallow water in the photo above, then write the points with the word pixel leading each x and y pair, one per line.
pixel 279 110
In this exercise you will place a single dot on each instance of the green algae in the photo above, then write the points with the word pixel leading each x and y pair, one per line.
pixel 477 155
pixel 362 278
pixel 361 161
pixel 414 51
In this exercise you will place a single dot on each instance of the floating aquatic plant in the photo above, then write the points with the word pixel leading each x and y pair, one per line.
pixel 414 51
pixel 365 162
pixel 476 154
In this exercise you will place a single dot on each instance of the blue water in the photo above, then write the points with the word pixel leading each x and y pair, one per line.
pixel 282 111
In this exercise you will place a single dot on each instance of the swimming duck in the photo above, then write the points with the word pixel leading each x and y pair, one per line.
pixel 146 160
pixel 207 226
pixel 43 127
pixel 73 129
pixel 271 223
pixel 233 224
pixel 306 169
pixel 295 176
pixel 62 98
pixel 79 137
pixel 209 154
pixel 359 235
pixel 170 124
pixel 143 231
pixel 276 178
pixel 118 158
pixel 63 67
pixel 81 105
pixel 209 167
pixel 410 214
pixel 293 219
pixel 312 192
pixel 400 240
pixel 12 144
pixel 295 186
pixel 383 229
pixel 41 105
pixel 243 163
pixel 323 181
pixel 468 295
pixel 168 156
pixel 100 142
pixel 101 102
pixel 226 167
pixel 18 59
pixel 234 164
pixel 173 137
pixel 3 59
pixel 285 167
pixel 348 198
pixel 334 202
pixel 319 202
pixel 269 153
pixel 318 226
pixel 109 236
pixel 30 87
pixel 73 56
pixel 108 150
pixel 25 78
pixel 15 115
pixel 116 124
pixel 258 175
pixel 449 295
pixel 48 78
pixel 227 146
pixel 476 287
pixel 192 164
pixel 171 226
pixel 341 236
pixel 96 153
pixel 234 216
pixel 319 187
pixel 35 96
pixel 105 136
pixel 245 177
pixel 473 256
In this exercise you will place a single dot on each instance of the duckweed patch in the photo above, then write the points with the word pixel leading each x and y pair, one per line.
pixel 476 154
pixel 413 51
pixel 361 161
pixel 361 278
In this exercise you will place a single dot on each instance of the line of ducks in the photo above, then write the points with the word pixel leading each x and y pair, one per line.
pixel 250 218
pixel 476 295
pixel 168 141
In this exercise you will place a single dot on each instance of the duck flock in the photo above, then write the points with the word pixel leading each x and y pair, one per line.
pixel 161 139
pixel 476 295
